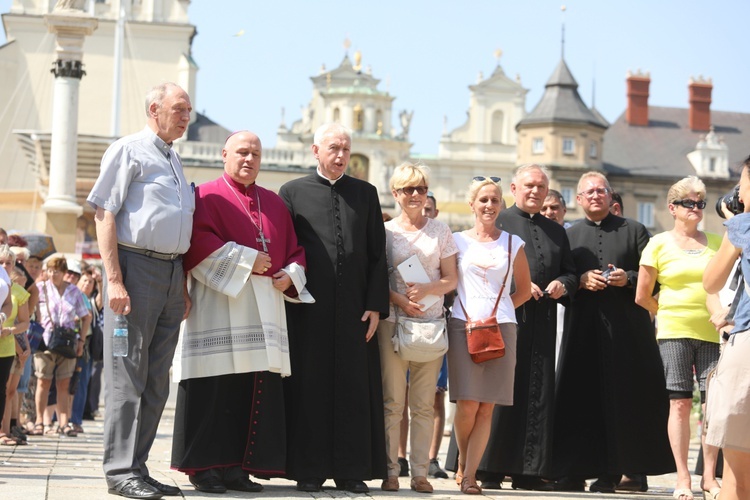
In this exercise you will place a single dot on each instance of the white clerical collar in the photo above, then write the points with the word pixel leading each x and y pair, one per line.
pixel 332 181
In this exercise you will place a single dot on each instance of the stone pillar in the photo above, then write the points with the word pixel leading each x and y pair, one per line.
pixel 70 27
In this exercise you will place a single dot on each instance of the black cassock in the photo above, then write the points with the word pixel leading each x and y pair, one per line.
pixel 334 396
pixel 612 406
pixel 521 437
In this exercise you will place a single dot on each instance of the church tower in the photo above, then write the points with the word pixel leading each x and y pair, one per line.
pixel 350 96
pixel 562 133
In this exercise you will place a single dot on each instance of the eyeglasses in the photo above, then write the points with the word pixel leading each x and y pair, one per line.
pixel 690 204
pixel 595 192
pixel 481 178
pixel 410 190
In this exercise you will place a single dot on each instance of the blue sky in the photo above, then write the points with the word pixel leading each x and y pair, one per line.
pixel 427 52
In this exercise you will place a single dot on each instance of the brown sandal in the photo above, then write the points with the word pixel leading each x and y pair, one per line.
pixel 469 486
pixel 37 430
pixel 460 474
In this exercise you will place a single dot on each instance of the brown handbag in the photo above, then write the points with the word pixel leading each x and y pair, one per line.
pixel 483 337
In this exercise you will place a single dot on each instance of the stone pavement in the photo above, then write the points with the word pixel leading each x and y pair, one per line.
pixel 57 468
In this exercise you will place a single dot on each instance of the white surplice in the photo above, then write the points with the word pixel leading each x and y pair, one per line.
pixel 238 320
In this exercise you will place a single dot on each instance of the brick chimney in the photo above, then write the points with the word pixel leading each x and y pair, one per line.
pixel 637 112
pixel 699 116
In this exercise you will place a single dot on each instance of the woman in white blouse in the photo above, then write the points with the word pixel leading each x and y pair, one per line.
pixel 485 254
pixel 408 234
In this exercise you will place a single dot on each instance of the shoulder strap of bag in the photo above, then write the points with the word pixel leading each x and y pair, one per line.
pixel 502 288
pixel 46 303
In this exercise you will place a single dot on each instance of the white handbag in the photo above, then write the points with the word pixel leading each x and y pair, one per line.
pixel 420 340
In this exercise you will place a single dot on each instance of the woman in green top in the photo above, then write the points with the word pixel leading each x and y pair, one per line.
pixel 687 340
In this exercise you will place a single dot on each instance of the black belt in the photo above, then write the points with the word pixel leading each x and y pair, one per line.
pixel 151 253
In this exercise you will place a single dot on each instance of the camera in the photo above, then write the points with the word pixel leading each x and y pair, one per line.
pixel 732 201
pixel 608 271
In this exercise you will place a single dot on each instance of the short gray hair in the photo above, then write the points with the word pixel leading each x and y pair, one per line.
pixel 157 93
pixel 527 168
pixel 331 128
pixel 596 174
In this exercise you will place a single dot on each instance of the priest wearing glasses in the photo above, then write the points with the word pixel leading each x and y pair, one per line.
pixel 244 262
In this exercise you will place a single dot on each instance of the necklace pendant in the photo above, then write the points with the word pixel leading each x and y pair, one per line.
pixel 263 240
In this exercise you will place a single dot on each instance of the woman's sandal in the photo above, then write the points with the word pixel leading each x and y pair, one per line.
pixel 6 440
pixel 37 430
pixel 469 486
pixel 682 494
pixel 51 430
pixel 712 494
pixel 460 474
pixel 68 431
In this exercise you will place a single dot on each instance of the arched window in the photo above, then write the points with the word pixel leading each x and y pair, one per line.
pixel 336 114
pixel 497 127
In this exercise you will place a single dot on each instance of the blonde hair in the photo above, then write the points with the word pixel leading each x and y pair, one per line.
pixel 475 186
pixel 596 174
pixel 409 174
pixel 7 253
pixel 683 187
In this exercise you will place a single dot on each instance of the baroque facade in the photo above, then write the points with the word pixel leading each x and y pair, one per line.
pixel 643 152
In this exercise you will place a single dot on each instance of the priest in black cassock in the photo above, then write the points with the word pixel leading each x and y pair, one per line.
pixel 334 397
pixel 612 403
pixel 521 437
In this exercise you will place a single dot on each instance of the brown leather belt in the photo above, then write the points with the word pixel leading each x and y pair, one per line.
pixel 151 253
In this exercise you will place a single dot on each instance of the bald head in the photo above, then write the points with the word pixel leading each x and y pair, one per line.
pixel 241 157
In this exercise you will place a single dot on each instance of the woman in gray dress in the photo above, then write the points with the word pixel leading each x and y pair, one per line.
pixel 485 254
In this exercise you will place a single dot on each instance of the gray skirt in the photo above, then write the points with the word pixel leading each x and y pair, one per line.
pixel 488 382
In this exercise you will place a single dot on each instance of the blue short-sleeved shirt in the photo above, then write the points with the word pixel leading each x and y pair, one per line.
pixel 141 182
pixel 738 232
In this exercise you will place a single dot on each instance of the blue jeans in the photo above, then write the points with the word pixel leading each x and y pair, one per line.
pixel 79 401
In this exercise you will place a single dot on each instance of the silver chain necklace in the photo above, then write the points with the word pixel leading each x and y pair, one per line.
pixel 261 237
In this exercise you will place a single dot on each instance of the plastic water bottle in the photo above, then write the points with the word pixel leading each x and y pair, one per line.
pixel 120 337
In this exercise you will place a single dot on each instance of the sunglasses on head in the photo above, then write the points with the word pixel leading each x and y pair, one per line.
pixel 690 204
pixel 410 190
pixel 481 178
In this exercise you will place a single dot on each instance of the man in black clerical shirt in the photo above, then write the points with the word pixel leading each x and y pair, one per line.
pixel 611 365
pixel 334 399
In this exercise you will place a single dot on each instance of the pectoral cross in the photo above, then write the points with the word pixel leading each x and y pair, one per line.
pixel 263 240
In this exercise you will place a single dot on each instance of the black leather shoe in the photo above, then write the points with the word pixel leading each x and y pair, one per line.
pixel 243 484
pixel 207 482
pixel 352 485
pixel 309 485
pixel 528 483
pixel 633 482
pixel 135 487
pixel 170 491
pixel 602 485
pixel 492 485
pixel 570 484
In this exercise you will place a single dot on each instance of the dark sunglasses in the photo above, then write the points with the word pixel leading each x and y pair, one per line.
pixel 690 204
pixel 481 178
pixel 410 190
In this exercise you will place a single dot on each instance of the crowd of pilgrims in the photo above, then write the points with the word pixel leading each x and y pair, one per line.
pixel 588 389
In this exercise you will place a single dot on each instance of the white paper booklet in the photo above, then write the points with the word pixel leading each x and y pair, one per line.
pixel 412 272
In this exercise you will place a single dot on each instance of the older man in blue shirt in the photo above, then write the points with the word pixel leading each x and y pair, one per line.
pixel 144 213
